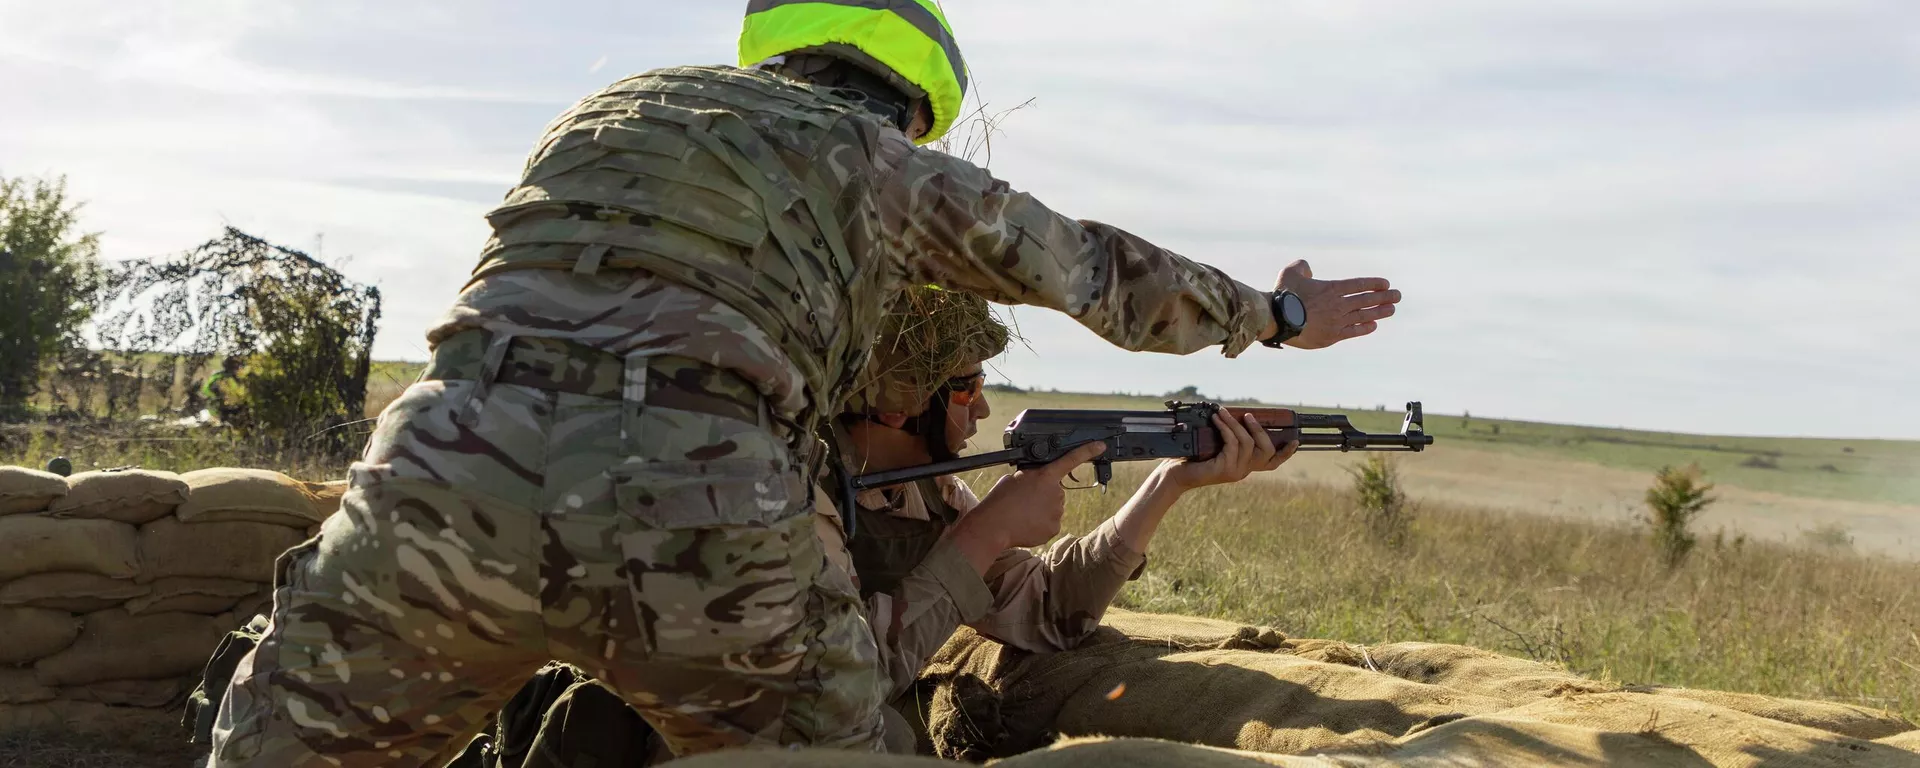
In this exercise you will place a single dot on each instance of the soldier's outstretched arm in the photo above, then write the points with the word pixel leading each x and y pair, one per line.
pixel 959 227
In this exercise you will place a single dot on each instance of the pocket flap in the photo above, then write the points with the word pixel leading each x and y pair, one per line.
pixel 702 494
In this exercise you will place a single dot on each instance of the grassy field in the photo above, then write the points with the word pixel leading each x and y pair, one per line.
pixel 1741 616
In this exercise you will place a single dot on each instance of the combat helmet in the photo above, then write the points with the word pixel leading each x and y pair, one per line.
pixel 927 335
pixel 902 52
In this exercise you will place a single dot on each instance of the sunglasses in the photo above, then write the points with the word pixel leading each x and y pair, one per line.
pixel 963 390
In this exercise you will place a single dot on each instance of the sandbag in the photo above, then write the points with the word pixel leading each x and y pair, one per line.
pixel 1266 702
pixel 27 634
pixel 116 645
pixel 1909 741
pixel 326 497
pixel 24 490
pixel 1514 681
pixel 1716 735
pixel 228 495
pixel 1192 633
pixel 190 594
pixel 69 591
pixel 129 495
pixel 259 603
pixel 129 693
pixel 242 551
pixel 1843 719
pixel 19 686
pixel 31 544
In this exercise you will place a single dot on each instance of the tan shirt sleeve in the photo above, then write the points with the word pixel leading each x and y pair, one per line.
pixel 949 222
pixel 1053 600
pixel 916 618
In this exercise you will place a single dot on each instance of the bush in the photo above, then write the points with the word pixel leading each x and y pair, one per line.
pixel 1376 488
pixel 1678 496
pixel 48 275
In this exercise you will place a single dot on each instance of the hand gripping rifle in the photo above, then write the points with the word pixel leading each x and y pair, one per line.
pixel 1183 431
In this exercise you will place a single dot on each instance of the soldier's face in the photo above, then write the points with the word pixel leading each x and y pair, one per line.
pixel 965 409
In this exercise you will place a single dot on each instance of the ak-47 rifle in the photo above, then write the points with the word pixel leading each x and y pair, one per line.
pixel 1184 430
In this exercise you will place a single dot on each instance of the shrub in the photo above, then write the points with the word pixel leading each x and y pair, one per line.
pixel 1678 496
pixel 1376 488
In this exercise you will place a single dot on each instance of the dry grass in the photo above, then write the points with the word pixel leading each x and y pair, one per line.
pixel 1750 617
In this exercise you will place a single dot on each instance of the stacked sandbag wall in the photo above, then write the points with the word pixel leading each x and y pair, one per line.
pixel 116 585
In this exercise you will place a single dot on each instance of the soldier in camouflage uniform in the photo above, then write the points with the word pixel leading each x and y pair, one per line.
pixel 930 556
pixel 606 461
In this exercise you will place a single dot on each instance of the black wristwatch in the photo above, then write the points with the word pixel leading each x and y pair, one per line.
pixel 1290 315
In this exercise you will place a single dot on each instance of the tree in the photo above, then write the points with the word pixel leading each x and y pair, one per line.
pixel 48 273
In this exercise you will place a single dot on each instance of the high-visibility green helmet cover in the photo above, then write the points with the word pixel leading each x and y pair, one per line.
pixel 911 37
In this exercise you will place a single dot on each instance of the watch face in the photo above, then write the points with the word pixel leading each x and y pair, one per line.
pixel 1293 310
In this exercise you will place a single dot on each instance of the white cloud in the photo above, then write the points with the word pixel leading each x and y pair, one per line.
pixel 1694 215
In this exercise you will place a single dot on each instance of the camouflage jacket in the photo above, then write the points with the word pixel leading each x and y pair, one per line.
pixel 1041 602
pixel 804 214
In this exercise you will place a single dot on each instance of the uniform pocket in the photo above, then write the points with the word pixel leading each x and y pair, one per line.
pixel 719 554
pixel 243 718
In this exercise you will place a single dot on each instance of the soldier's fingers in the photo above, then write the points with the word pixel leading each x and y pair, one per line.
pixel 1355 285
pixel 1370 299
pixel 1286 452
pixel 1352 331
pixel 1370 314
pixel 1262 442
pixel 1233 437
pixel 1074 458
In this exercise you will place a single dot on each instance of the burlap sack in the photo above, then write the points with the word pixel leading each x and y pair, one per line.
pixel 1716 735
pixel 260 603
pixel 116 645
pixel 129 496
pixel 1909 741
pixel 241 551
pixel 1513 681
pixel 27 634
pixel 25 490
pixel 1843 719
pixel 69 591
pixel 251 495
pixel 326 497
pixel 31 544
pixel 19 686
pixel 190 594
pixel 130 693
pixel 1266 702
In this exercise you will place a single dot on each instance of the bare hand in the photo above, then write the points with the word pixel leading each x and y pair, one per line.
pixel 1245 448
pixel 1024 508
pixel 1337 310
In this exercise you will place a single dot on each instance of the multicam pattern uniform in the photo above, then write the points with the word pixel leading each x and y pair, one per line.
pixel 511 511
pixel 1044 602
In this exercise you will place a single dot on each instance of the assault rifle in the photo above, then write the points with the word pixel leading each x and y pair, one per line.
pixel 1184 430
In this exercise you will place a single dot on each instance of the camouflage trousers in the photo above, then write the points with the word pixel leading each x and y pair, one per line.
pixel 495 524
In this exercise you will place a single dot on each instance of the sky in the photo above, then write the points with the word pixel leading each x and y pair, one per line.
pixel 1683 215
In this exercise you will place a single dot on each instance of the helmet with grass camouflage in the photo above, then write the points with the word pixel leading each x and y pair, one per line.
pixel 926 337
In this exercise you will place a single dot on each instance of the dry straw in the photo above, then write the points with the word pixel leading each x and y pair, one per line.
pixel 927 336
